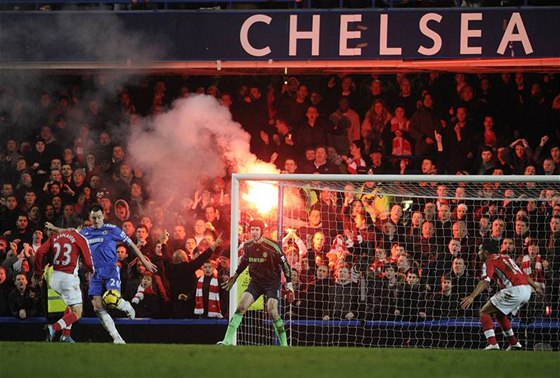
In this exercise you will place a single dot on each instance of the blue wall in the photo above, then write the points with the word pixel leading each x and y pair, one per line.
pixel 216 35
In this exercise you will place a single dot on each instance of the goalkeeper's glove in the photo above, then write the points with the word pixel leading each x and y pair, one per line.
pixel 290 292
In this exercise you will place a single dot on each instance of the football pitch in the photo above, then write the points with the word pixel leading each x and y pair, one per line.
pixel 42 359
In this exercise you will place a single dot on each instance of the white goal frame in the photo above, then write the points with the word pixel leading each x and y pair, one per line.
pixel 416 178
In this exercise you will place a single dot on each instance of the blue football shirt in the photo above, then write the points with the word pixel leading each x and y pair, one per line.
pixel 103 243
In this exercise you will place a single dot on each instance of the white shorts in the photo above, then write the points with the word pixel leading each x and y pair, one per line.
pixel 67 286
pixel 510 300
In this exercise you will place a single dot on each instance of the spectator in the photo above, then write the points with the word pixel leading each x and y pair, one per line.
pixel 346 126
pixel 443 226
pixel 182 280
pixel 396 136
pixel 376 268
pixel 343 297
pixel 313 132
pixel 213 220
pixel 207 295
pixel 328 207
pixel 320 164
pixel 462 282
pixel 487 162
pixel 146 301
pixel 518 155
pixel 22 231
pixel 6 286
pixel 69 218
pixel 355 162
pixel 199 229
pixel 293 107
pixel 24 301
pixel 373 126
pixel 426 249
pixel 535 266
pixel 144 243
pixel 381 295
pixel 444 303
pixel 423 123
pixel 444 264
pixel 317 295
pixel 459 143
pixel 284 142
pixel 411 298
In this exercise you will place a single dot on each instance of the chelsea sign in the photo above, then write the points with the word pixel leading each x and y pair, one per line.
pixel 353 35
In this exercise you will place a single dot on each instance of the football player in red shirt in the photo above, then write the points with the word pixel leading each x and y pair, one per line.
pixel 64 251
pixel 514 293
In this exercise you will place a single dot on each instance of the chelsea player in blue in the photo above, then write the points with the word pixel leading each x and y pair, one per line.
pixel 102 239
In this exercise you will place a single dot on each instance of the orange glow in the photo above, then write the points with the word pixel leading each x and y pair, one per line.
pixel 263 196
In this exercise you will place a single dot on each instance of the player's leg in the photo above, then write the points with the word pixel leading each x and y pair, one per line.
pixel 66 331
pixel 245 302
pixel 114 282
pixel 68 287
pixel 74 314
pixel 507 330
pixel 486 313
pixel 106 320
pixel 272 309
pixel 96 290
pixel 508 301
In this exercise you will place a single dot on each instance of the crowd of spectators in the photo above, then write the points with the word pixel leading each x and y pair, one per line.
pixel 278 4
pixel 354 254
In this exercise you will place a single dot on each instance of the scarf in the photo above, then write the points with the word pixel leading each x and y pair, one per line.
pixel 214 310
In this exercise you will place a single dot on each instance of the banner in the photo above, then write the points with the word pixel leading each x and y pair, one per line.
pixel 297 35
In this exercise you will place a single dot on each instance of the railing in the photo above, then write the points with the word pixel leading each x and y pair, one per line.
pixel 151 5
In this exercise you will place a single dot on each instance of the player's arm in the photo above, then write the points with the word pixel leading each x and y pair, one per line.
pixel 52 227
pixel 243 264
pixel 148 264
pixel 38 264
pixel 288 274
pixel 538 289
pixel 286 269
pixel 468 300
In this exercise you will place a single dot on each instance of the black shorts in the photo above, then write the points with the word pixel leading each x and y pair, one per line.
pixel 270 290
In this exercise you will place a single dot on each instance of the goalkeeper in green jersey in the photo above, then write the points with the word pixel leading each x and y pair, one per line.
pixel 265 261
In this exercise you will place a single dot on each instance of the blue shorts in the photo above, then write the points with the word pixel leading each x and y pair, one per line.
pixel 105 278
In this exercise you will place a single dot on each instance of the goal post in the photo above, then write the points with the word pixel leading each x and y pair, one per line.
pixel 399 251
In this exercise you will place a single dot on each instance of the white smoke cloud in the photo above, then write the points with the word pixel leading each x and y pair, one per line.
pixel 196 137
pixel 102 39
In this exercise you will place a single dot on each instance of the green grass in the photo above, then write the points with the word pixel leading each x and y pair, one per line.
pixel 41 359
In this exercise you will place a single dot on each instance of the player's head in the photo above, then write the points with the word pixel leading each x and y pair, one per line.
pixel 96 216
pixel 485 249
pixel 256 228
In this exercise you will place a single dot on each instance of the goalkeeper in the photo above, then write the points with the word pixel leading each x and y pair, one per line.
pixel 265 260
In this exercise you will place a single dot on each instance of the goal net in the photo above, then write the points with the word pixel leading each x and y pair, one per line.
pixel 385 260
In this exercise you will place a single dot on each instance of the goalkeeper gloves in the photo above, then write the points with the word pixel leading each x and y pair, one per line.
pixel 290 292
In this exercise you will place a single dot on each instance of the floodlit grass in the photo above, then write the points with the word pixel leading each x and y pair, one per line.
pixel 36 359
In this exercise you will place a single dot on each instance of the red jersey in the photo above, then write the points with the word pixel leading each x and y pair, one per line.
pixel 63 251
pixel 503 270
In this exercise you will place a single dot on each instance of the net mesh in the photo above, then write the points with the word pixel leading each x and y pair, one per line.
pixel 385 262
